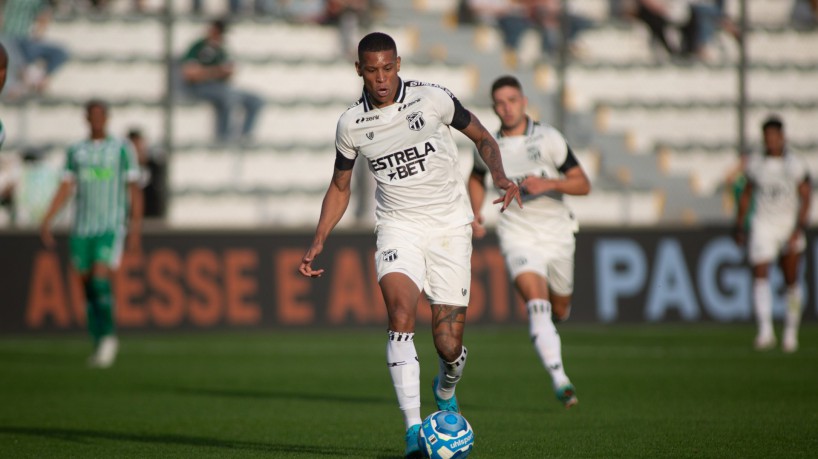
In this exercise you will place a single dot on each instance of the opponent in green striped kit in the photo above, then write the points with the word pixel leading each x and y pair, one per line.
pixel 104 173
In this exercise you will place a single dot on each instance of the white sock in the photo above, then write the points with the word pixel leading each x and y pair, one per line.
pixel 793 317
pixel 546 340
pixel 449 374
pixel 763 303
pixel 404 368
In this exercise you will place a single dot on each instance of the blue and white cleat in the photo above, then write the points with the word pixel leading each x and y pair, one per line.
pixel 567 395
pixel 412 445
pixel 445 404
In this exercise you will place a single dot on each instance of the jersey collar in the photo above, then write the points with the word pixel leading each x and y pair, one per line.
pixel 399 96
pixel 529 128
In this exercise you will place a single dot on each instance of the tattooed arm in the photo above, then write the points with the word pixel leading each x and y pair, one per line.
pixel 490 152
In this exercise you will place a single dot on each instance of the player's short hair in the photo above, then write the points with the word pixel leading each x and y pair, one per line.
pixel 134 133
pixel 773 122
pixel 374 42
pixel 220 25
pixel 506 80
pixel 96 103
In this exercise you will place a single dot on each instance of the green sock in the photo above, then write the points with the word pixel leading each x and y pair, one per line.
pixel 104 305
pixel 92 313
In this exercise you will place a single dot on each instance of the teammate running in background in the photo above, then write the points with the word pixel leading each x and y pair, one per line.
pixel 423 218
pixel 538 242
pixel 779 186
pixel 104 172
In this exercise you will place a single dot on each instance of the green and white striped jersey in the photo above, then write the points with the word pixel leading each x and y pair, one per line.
pixel 101 170
pixel 20 15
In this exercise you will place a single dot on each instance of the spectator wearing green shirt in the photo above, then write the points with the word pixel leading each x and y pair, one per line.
pixel 103 173
pixel 206 72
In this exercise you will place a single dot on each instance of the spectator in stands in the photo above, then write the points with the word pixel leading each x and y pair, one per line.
pixel 348 16
pixel 805 14
pixel 206 72
pixel 657 17
pixel 24 25
pixel 152 173
pixel 544 16
pixel 483 12
pixel 550 15
pixel 706 17
pixel 236 6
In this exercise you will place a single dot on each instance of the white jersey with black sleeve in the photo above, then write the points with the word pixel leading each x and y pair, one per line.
pixel 775 188
pixel 540 151
pixel 410 150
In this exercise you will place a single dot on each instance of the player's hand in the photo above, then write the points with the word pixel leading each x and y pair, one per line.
pixel 512 192
pixel 792 242
pixel 306 262
pixel 537 185
pixel 47 238
pixel 478 231
pixel 739 235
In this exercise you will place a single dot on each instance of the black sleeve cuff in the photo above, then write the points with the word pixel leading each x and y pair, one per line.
pixel 342 163
pixel 570 161
pixel 462 117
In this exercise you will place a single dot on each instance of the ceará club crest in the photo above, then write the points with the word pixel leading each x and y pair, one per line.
pixel 416 121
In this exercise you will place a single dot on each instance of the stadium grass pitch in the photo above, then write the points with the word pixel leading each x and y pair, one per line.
pixel 645 391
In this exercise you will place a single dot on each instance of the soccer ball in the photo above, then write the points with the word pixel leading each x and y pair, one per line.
pixel 445 435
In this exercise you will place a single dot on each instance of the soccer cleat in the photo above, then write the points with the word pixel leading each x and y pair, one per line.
pixel 789 343
pixel 445 404
pixel 567 395
pixel 106 352
pixel 412 445
pixel 764 342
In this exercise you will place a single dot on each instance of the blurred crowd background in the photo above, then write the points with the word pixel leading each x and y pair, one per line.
pixel 657 98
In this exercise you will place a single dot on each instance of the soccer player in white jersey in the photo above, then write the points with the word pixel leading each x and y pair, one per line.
pixel 104 172
pixel 402 130
pixel 779 184
pixel 538 241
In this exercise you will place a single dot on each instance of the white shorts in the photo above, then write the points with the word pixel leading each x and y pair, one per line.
pixel 549 256
pixel 438 261
pixel 768 241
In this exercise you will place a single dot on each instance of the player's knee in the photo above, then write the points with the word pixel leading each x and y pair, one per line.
pixel 401 320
